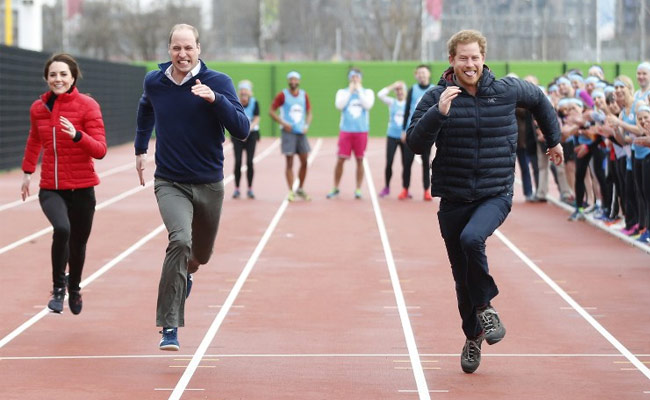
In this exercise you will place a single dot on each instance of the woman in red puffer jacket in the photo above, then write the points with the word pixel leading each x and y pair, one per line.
pixel 68 128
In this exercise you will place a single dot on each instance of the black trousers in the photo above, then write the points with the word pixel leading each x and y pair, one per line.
pixel 465 227
pixel 392 144
pixel 238 148
pixel 582 165
pixel 642 181
pixel 426 167
pixel 71 214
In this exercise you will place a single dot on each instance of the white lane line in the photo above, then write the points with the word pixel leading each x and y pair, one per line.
pixel 181 385
pixel 109 172
pixel 104 174
pixel 99 206
pixel 45 311
pixel 418 372
pixel 85 282
pixel 579 309
pixel 122 196
pixel 416 391
pixel 213 357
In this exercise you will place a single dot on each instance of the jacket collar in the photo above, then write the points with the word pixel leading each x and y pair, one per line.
pixel 65 97
pixel 449 79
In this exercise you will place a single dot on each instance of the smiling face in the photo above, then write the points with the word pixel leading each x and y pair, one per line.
pixel 184 52
pixel 468 64
pixel 643 118
pixel 59 77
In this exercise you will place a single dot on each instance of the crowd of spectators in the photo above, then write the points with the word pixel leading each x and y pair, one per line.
pixel 606 138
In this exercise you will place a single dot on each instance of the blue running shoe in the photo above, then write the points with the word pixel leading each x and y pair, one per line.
pixel 189 285
pixel 169 339
pixel 333 193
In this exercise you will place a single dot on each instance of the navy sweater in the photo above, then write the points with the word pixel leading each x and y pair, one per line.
pixel 189 130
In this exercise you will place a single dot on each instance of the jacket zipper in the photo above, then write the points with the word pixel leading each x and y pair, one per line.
pixel 478 146
pixel 56 160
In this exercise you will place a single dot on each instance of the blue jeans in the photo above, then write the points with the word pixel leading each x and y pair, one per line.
pixel 465 227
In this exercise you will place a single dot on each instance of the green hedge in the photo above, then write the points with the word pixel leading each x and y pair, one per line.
pixel 321 80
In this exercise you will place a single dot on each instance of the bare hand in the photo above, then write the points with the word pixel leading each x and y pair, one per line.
pixel 203 91
pixel 613 121
pixel 286 126
pixel 67 127
pixel 444 104
pixel 403 137
pixel 140 162
pixel 556 154
pixel 24 188
pixel 581 150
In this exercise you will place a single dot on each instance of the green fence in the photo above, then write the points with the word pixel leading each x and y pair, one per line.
pixel 321 80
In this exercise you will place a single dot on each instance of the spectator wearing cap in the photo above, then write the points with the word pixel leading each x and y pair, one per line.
pixel 355 103
pixel 294 118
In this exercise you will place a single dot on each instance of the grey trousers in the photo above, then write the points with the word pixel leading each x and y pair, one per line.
pixel 191 215
pixel 544 171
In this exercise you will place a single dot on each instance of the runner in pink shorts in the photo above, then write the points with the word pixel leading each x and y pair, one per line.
pixel 355 103
pixel 352 142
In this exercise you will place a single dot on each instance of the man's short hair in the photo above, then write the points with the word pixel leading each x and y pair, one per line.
pixel 465 37
pixel 183 26
pixel 423 66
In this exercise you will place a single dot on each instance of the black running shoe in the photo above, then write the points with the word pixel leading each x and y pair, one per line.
pixel 470 358
pixel 493 329
pixel 56 302
pixel 74 301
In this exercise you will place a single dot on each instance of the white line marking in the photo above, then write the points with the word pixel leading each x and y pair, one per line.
pixel 608 336
pixel 86 281
pixel 212 357
pixel 170 389
pixel 122 196
pixel 232 296
pixel 101 205
pixel 110 264
pixel 418 372
pixel 104 174
pixel 430 391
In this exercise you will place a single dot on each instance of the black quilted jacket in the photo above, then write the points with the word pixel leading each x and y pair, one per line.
pixel 477 141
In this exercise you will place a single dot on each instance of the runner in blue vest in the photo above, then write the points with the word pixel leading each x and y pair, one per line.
pixel 295 117
pixel 355 103
pixel 395 135
pixel 252 110
pixel 415 93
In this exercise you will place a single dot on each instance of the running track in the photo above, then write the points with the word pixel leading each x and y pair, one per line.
pixel 328 299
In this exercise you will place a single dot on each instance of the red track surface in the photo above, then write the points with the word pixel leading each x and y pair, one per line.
pixel 298 301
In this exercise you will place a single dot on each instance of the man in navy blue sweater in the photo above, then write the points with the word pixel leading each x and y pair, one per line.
pixel 189 105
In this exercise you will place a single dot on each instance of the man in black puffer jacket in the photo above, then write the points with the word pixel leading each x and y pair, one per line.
pixel 470 116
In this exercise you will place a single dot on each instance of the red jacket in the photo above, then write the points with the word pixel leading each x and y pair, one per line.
pixel 66 164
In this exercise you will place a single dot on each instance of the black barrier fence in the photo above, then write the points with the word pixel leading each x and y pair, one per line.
pixel 116 87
